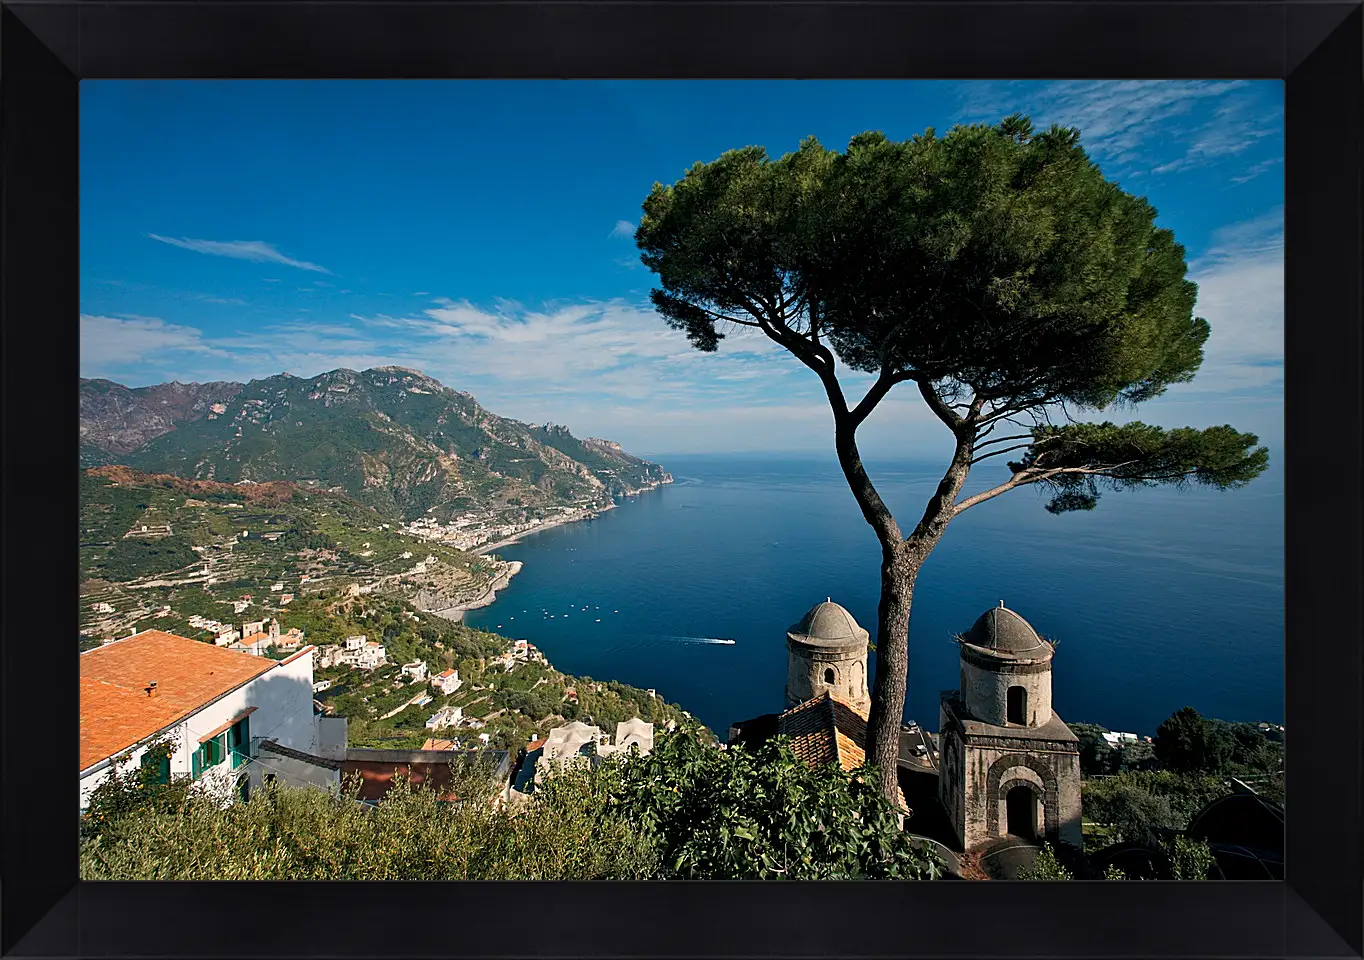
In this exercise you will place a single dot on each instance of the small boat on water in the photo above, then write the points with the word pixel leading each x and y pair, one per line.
pixel 725 640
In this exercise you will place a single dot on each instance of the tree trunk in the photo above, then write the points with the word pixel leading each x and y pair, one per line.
pixel 901 561
pixel 899 570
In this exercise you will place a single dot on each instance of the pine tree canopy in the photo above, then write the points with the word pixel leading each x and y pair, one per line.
pixel 994 267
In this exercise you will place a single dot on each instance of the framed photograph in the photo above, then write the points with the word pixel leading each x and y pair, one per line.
pixel 670 447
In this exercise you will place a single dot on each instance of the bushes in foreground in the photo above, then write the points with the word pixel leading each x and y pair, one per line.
pixel 306 834
pixel 686 810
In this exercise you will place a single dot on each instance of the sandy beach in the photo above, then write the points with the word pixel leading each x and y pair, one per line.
pixel 549 525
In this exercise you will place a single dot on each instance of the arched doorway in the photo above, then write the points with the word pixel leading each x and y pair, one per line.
pixel 1016 709
pixel 1020 810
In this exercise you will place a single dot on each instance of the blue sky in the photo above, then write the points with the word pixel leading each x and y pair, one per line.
pixel 480 232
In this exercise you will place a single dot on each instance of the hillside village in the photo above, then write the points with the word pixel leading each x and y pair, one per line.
pixel 331 632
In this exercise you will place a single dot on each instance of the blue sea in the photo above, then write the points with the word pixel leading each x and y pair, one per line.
pixel 1159 598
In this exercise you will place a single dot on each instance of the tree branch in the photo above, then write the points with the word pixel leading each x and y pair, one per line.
pixel 935 403
pixel 1025 477
pixel 1015 436
pixel 995 453
pixel 876 394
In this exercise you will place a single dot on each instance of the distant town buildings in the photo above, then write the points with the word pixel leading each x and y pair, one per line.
pixel 580 743
pixel 445 717
pixel 447 682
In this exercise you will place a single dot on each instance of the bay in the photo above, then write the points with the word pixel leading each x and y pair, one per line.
pixel 1159 598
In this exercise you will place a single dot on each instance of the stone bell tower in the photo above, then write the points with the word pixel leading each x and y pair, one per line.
pixel 1009 765
pixel 827 652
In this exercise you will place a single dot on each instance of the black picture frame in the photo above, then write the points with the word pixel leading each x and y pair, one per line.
pixel 46 47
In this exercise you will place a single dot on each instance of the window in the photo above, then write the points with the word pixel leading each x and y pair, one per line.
pixel 158 767
pixel 1016 707
pixel 210 754
pixel 829 675
pixel 239 742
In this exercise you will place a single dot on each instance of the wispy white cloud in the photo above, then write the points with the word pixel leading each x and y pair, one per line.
pixel 256 251
pixel 1137 126
pixel 1241 294
pixel 108 344
pixel 1255 170
pixel 623 228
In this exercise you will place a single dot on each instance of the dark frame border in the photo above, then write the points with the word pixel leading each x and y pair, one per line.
pixel 47 45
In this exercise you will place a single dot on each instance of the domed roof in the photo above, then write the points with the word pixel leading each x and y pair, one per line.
pixel 1000 630
pixel 828 624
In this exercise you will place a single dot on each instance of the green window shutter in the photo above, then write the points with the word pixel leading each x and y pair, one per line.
pixel 239 742
pixel 197 762
pixel 159 767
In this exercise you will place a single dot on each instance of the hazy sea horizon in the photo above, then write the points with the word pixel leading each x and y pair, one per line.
pixel 1159 598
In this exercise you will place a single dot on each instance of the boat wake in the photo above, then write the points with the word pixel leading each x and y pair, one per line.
pixel 725 640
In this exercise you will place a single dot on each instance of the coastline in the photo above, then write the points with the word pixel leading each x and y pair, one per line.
pixel 549 525
pixel 456 612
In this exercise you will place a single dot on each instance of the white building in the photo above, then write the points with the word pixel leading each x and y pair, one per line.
pixel 445 717
pixel 632 734
pixel 254 644
pixel 416 670
pixel 447 682
pixel 276 588
pixel 369 657
pixel 227 635
pixel 322 685
pixel 102 607
pixel 215 707
pixel 239 605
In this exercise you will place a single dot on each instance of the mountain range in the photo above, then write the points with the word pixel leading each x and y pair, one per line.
pixel 391 437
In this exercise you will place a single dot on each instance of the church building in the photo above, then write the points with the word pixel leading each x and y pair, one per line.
pixel 1004 764
pixel 1009 764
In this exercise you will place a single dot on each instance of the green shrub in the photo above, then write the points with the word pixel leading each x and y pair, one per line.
pixel 764 814
pixel 1047 866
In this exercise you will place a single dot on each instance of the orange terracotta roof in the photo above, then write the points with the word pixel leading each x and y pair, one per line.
pixel 224 727
pixel 254 639
pixel 828 729
pixel 536 745
pixel 433 744
pixel 116 711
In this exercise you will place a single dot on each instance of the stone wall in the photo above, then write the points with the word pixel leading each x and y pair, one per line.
pixel 806 674
pixel 985 691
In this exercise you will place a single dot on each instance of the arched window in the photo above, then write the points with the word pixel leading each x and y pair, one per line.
pixel 1016 707
pixel 829 675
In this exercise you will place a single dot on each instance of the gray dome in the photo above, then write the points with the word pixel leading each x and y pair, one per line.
pixel 1001 630
pixel 828 624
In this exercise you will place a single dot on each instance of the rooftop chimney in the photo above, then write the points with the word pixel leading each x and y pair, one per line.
pixel 151 689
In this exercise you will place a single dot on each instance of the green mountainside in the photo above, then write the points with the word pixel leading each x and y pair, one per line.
pixel 159 551
pixel 393 438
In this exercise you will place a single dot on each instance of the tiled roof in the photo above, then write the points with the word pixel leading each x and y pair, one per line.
pixel 254 639
pixel 116 711
pixel 433 744
pixel 827 729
